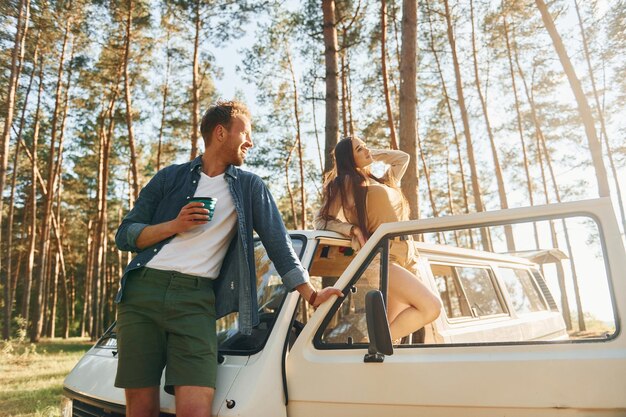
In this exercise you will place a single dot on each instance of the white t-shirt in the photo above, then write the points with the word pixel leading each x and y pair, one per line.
pixel 200 251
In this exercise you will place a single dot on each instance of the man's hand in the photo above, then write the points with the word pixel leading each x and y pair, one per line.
pixel 307 291
pixel 190 216
pixel 325 294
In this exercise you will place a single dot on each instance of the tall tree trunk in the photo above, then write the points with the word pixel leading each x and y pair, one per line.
pixel 604 135
pixel 30 264
pixel 332 93
pixel 84 319
pixel 408 104
pixel 54 298
pixel 127 99
pixel 440 236
pixel 344 91
pixel 100 241
pixel 452 123
pixel 64 278
pixel 294 213
pixel 349 90
pixel 450 202
pixel 317 136
pixel 484 233
pixel 164 106
pixel 16 58
pixel 583 106
pixel 44 242
pixel 296 114
pixel 504 204
pixel 8 297
pixel 564 300
pixel 553 234
pixel 529 181
pixel 383 60
pixel 431 197
pixel 55 219
pixel 17 271
pixel 195 84
pixel 59 262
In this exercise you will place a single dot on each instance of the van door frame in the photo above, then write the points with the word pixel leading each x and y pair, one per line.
pixel 336 382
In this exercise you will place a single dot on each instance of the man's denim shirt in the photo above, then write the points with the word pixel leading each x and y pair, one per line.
pixel 235 289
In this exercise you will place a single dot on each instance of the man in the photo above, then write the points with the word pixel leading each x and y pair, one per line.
pixel 189 270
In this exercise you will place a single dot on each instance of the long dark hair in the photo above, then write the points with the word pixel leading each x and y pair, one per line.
pixel 345 176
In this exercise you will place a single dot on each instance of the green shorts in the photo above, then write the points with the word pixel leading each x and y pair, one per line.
pixel 166 318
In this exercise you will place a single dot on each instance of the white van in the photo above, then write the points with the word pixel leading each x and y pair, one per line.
pixel 500 346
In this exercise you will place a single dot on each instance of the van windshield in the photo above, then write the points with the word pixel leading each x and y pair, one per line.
pixel 270 295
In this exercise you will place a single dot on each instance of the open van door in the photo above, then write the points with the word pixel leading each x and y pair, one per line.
pixel 327 374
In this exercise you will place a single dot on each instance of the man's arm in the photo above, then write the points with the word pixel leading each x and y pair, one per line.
pixel 190 216
pixel 136 232
pixel 269 225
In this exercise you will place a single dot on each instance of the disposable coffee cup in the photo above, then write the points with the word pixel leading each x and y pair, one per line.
pixel 209 204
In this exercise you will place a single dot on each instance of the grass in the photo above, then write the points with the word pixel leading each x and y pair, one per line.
pixel 31 375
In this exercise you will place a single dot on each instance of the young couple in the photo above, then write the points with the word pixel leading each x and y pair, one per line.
pixel 189 271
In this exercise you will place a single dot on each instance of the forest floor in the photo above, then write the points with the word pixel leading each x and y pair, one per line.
pixel 31 375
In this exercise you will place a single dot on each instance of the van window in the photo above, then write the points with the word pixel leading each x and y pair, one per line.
pixel 520 285
pixel 553 265
pixel 270 295
pixel 348 325
pixel 481 291
pixel 452 295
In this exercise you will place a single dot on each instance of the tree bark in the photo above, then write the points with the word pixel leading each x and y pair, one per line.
pixel 129 107
pixel 529 182
pixel 383 60
pixel 431 197
pixel 84 320
pixel 332 94
pixel 504 204
pixel 452 121
pixel 553 234
pixel 450 203
pixel 408 104
pixel 164 106
pixel 9 284
pixel 294 213
pixel 44 243
pixel 16 58
pixel 296 114
pixel 195 85
pixel 584 110
pixel 30 263
pixel 484 233
pixel 344 92
pixel 564 300
pixel 604 135
pixel 100 242
pixel 317 136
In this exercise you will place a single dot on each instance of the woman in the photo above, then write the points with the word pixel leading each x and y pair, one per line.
pixel 355 203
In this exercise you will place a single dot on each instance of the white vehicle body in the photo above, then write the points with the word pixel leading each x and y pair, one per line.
pixel 528 367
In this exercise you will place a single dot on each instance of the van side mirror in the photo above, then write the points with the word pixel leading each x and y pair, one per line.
pixel 377 328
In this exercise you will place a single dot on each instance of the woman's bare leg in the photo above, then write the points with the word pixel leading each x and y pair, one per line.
pixel 410 304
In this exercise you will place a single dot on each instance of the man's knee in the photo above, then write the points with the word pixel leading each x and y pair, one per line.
pixel 193 401
pixel 142 402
